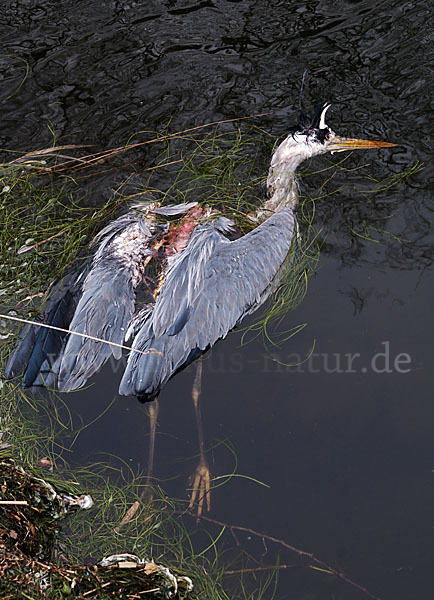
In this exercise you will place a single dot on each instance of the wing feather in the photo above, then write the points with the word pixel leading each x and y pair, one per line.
pixel 38 347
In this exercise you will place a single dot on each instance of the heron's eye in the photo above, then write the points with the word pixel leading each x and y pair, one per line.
pixel 323 135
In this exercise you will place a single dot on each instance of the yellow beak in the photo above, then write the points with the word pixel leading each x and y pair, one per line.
pixel 340 143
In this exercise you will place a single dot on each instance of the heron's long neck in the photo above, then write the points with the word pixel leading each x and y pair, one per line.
pixel 281 181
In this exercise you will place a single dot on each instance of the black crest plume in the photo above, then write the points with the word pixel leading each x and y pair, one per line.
pixel 306 122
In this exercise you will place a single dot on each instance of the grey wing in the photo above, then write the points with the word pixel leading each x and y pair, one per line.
pixel 207 290
pixel 108 296
pixel 38 348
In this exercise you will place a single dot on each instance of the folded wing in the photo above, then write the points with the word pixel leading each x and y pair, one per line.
pixel 208 288
pixel 107 301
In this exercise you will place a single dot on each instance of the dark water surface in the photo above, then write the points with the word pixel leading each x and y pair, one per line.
pixel 349 454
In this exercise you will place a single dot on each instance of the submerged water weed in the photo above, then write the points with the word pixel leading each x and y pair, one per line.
pixel 45 226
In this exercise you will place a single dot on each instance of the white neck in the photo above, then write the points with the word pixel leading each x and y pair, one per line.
pixel 281 181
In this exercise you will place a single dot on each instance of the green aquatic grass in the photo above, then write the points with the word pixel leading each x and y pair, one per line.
pixel 393 180
pixel 44 228
pixel 226 171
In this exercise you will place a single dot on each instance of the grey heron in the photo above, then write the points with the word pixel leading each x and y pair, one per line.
pixel 208 278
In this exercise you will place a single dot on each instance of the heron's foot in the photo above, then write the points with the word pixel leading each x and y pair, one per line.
pixel 200 483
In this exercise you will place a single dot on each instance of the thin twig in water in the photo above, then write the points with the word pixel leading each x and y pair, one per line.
pixel 28 298
pixel 260 569
pixel 103 585
pixel 27 248
pixel 49 151
pixel 100 156
pixel 294 549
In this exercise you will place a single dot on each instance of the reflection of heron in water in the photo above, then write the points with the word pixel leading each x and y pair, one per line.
pixel 198 275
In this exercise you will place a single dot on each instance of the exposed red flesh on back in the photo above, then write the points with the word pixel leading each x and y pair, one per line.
pixel 179 234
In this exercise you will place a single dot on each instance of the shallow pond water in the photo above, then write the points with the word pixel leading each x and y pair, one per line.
pixel 344 442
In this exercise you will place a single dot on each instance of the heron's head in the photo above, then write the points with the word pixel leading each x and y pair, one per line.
pixel 312 136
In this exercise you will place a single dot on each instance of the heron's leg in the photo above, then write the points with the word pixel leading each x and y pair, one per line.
pixel 147 489
pixel 200 481
pixel 153 416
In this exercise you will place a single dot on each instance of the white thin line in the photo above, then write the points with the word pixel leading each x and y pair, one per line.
pixel 84 335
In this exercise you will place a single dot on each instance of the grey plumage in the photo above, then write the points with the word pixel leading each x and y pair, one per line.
pixel 38 348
